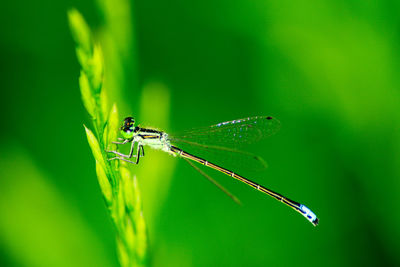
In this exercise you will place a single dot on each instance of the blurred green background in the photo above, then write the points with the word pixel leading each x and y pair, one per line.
pixel 328 70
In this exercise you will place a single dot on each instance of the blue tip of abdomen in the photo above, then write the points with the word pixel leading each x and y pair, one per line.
pixel 309 214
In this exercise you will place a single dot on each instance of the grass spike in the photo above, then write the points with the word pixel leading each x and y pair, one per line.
pixel 120 192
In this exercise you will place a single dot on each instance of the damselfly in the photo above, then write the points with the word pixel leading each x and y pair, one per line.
pixel 225 136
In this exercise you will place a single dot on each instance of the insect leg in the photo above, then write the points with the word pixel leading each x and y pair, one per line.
pixel 124 159
pixel 140 147
pixel 121 143
pixel 142 151
pixel 130 155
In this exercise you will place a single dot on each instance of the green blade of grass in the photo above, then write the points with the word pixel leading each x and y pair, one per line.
pixel 121 193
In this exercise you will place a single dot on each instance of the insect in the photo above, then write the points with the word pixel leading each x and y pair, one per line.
pixel 222 136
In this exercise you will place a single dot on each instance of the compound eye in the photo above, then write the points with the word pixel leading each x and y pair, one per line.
pixel 129 124
pixel 129 120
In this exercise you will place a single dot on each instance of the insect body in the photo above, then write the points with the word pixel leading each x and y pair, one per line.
pixel 229 133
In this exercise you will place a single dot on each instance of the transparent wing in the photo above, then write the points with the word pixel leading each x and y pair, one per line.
pixel 218 143
pixel 231 134
pixel 223 189
pixel 228 157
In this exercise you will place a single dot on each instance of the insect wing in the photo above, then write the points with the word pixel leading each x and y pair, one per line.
pixel 233 134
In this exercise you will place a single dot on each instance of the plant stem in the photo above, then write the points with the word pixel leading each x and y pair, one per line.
pixel 118 185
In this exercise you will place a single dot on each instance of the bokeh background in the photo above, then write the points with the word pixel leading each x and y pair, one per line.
pixel 328 70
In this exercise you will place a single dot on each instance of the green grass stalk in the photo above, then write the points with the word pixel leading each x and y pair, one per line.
pixel 119 187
